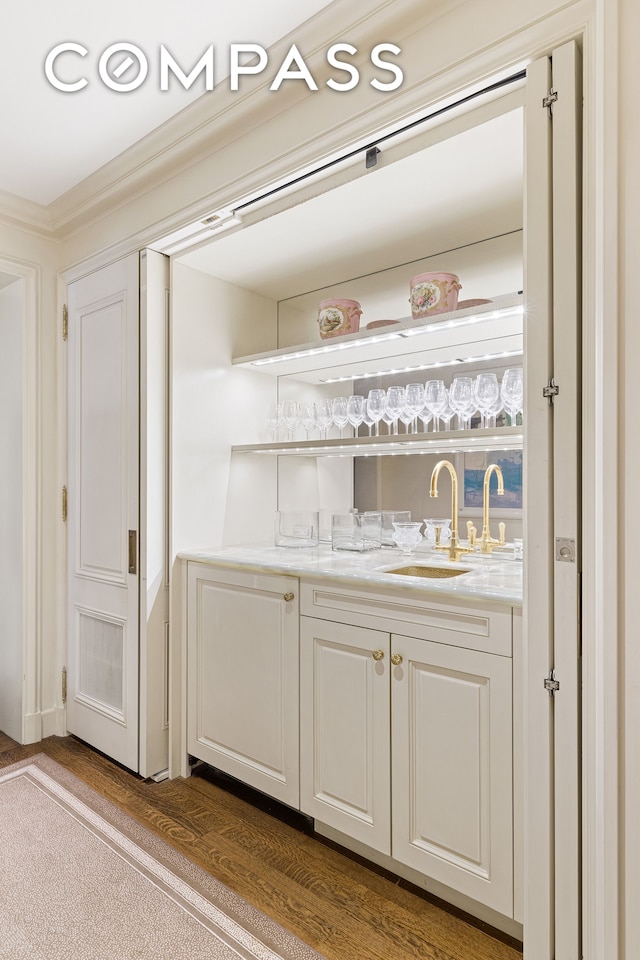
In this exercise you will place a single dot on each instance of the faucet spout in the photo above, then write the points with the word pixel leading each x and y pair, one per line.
pixel 487 543
pixel 454 549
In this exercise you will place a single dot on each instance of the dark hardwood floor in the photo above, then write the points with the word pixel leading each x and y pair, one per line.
pixel 334 902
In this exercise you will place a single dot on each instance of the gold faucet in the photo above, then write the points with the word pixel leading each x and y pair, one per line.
pixel 486 542
pixel 454 549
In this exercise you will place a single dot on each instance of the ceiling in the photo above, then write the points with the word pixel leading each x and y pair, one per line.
pixel 459 191
pixel 52 140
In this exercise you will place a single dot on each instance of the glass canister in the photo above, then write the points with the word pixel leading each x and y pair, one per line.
pixel 356 531
pixel 297 528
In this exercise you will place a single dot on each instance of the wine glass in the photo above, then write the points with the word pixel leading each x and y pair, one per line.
pixel 324 416
pixel 340 415
pixel 355 412
pixel 435 399
pixel 376 401
pixel 367 420
pixel 394 405
pixel 414 402
pixel 512 392
pixel 274 419
pixel 494 412
pixel 291 416
pixel 447 414
pixel 462 400
pixel 487 391
pixel 308 417
pixel 425 416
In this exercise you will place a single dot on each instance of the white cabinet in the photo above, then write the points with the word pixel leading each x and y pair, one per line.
pixel 344 729
pixel 242 676
pixel 452 768
pixel 406 741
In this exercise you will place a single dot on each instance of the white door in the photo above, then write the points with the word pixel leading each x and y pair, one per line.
pixel 344 729
pixel 552 586
pixel 103 509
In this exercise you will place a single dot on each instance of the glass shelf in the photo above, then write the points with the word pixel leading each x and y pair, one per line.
pixel 445 442
pixel 488 331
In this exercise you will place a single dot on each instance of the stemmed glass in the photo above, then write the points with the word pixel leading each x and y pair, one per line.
pixel 394 405
pixel 425 416
pixel 274 419
pixel 447 414
pixel 308 417
pixel 367 419
pixel 494 412
pixel 340 415
pixel 324 416
pixel 291 416
pixel 355 412
pixel 462 400
pixel 487 391
pixel 512 392
pixel 414 403
pixel 435 399
pixel 375 407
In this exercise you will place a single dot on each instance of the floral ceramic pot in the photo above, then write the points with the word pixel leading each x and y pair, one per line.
pixel 433 293
pixel 336 317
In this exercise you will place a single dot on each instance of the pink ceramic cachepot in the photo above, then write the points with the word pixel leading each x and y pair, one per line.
pixel 433 293
pixel 338 316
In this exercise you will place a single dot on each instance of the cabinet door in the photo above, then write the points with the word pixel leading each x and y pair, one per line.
pixel 344 723
pixel 452 764
pixel 242 677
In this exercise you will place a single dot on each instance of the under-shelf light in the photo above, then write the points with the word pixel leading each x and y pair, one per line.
pixel 456 361
pixel 358 341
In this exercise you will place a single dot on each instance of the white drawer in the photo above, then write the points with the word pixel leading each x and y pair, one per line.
pixel 486 627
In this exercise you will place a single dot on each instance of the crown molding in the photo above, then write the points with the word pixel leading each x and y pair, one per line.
pixel 25 215
pixel 221 116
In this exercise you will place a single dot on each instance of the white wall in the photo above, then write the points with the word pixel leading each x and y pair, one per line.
pixel 33 254
pixel 11 502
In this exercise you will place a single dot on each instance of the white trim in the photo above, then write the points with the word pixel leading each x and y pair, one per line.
pixel 501 58
pixel 602 900
pixel 26 215
pixel 31 504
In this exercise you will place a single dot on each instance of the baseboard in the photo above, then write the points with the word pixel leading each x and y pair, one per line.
pixel 53 722
pixel 32 728
pixel 485 915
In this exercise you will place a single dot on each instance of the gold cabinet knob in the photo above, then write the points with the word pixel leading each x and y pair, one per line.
pixel 378 654
pixel 396 659
pixel 289 596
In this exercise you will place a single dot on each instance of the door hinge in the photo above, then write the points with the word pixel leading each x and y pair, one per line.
pixel 65 321
pixel 551 684
pixel 550 391
pixel 65 504
pixel 64 684
pixel 549 100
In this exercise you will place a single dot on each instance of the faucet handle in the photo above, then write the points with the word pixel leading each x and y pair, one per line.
pixel 471 533
pixel 501 539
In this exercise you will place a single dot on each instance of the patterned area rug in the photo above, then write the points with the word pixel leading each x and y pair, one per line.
pixel 82 880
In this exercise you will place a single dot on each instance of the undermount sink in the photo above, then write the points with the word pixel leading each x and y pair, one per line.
pixel 435 573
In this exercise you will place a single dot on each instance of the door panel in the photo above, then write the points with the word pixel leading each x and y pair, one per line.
pixel 567 135
pixel 243 677
pixel 452 768
pixel 103 386
pixel 344 729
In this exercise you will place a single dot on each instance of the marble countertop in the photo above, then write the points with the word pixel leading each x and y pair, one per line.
pixel 493 577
